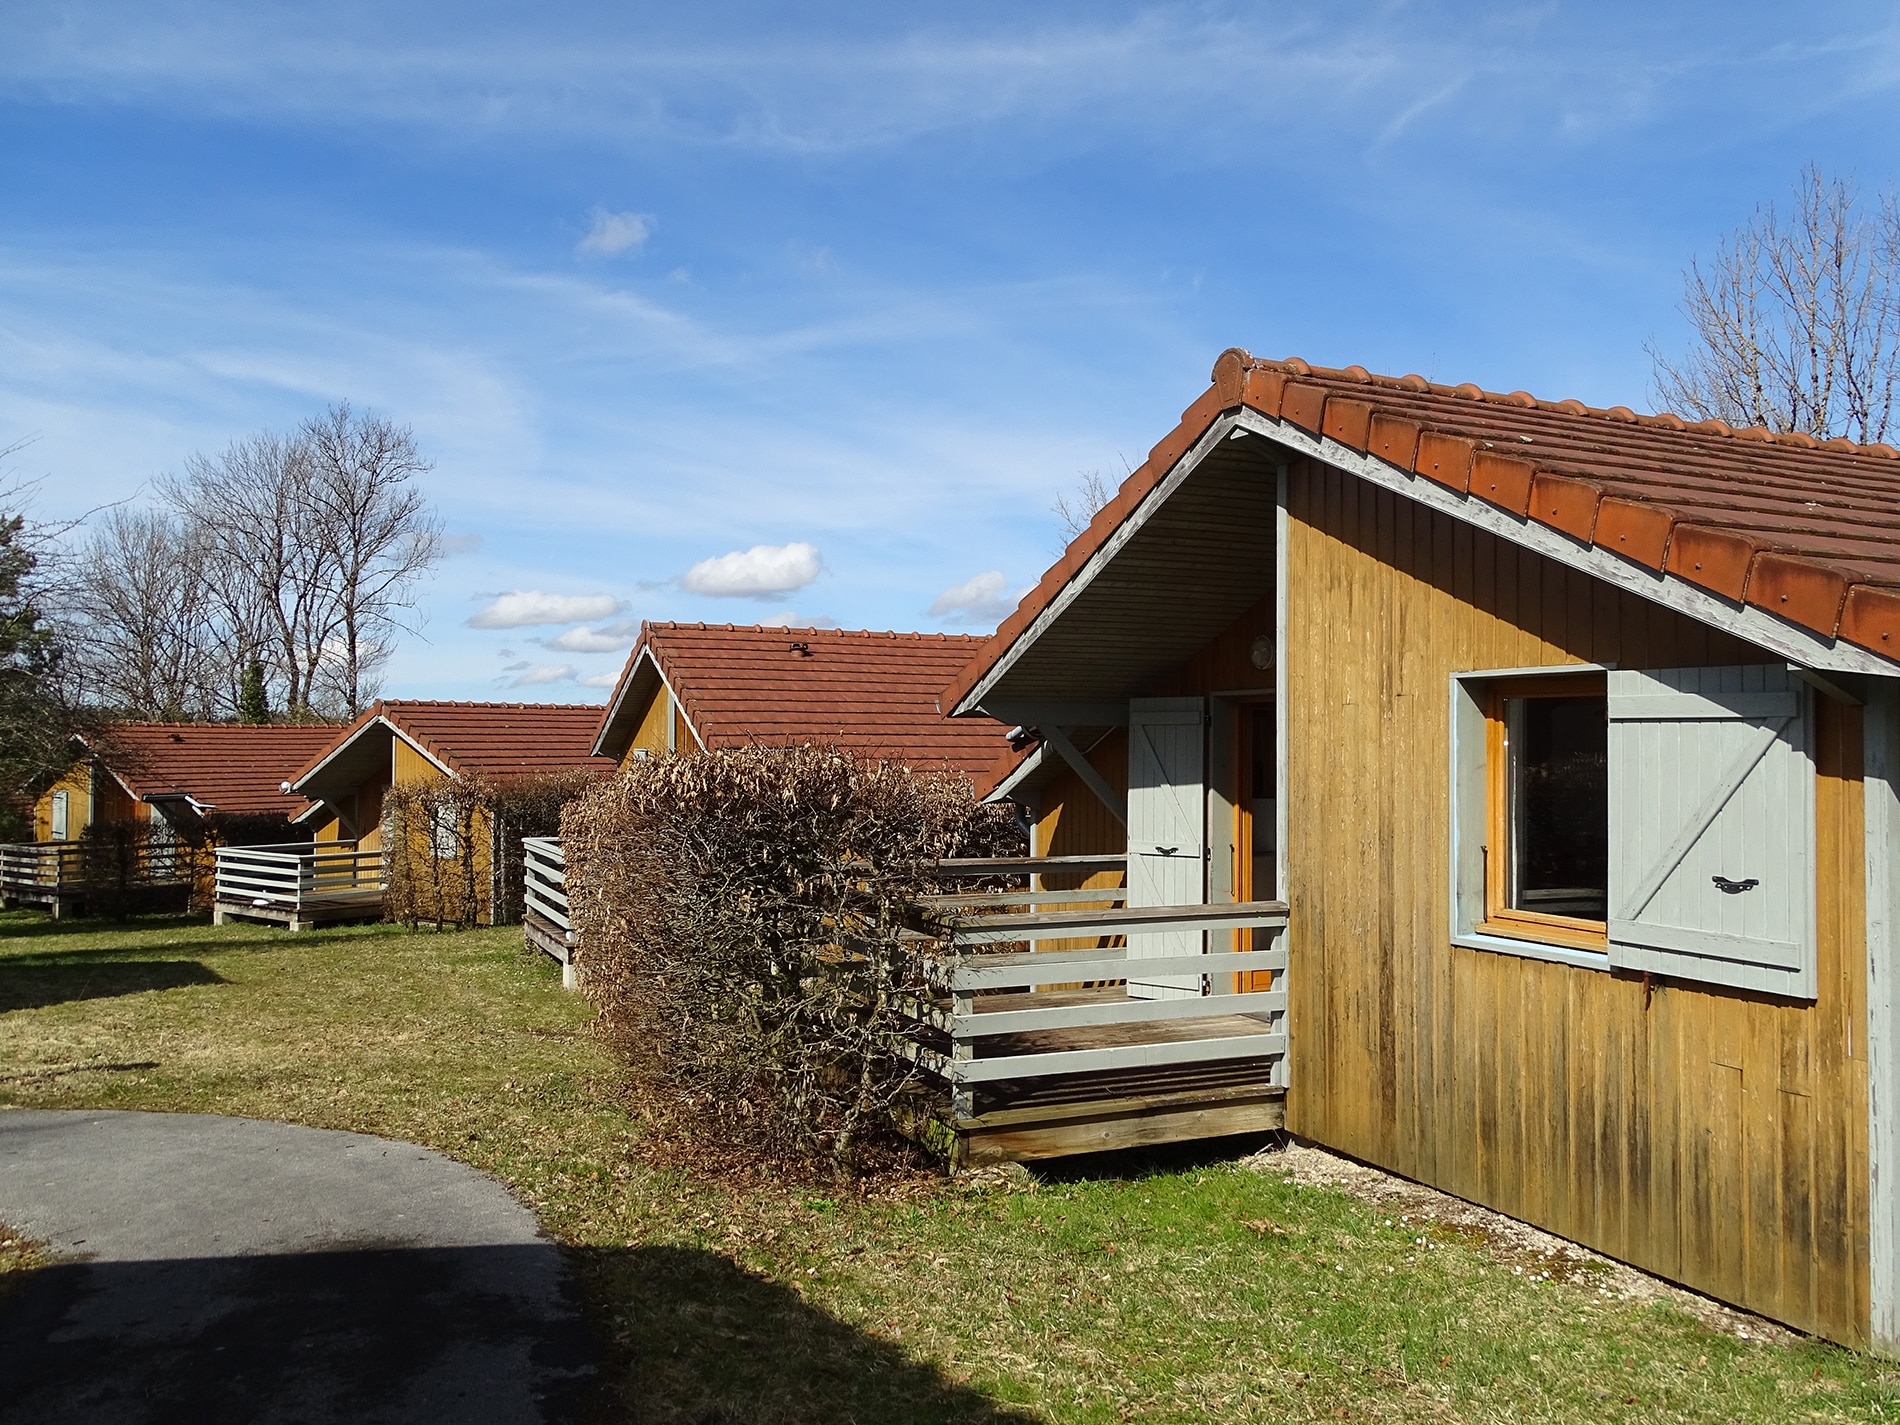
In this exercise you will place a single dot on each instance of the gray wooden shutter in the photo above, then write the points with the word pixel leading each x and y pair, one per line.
pixel 61 824
pixel 1712 827
pixel 1167 862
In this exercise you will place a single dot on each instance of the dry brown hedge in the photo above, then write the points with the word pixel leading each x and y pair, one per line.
pixel 452 847
pixel 738 916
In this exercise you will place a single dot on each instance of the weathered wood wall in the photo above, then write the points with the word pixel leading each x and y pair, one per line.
pixel 1713 1137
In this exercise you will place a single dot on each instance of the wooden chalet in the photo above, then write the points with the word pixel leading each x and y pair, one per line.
pixel 158 787
pixel 401 741
pixel 1564 742
pixel 690 687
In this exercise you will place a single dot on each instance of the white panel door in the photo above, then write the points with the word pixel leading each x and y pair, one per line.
pixel 1167 862
pixel 1712 827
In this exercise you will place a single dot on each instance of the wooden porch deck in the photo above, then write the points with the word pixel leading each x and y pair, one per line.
pixel 1054 1115
pixel 298 887
pixel 1046 1054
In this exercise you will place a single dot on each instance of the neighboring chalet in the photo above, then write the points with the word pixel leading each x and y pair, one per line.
pixel 414 741
pixel 692 686
pixel 1568 739
pixel 157 786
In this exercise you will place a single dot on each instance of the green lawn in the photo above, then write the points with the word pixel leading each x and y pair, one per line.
pixel 1182 1290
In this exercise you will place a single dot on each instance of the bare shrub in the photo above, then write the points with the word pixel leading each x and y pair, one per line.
pixel 740 916
pixel 452 848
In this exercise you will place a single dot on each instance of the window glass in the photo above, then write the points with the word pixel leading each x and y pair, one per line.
pixel 1560 806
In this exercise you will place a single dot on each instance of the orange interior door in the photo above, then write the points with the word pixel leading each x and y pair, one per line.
pixel 1255 825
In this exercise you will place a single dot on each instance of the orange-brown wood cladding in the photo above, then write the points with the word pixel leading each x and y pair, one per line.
pixel 1715 1138
pixel 1073 822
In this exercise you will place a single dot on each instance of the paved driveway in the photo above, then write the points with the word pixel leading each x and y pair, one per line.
pixel 226 1269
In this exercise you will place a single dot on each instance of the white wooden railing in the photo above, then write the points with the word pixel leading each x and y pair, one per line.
pixel 296 879
pixel 984 995
pixel 544 888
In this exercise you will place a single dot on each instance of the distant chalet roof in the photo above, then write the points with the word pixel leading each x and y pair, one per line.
pixel 1804 529
pixel 489 740
pixel 232 768
pixel 873 693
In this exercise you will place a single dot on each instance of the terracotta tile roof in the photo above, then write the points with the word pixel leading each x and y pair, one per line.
pixel 494 740
pixel 1808 530
pixel 874 693
pixel 234 768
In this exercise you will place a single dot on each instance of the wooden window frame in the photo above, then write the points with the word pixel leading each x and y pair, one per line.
pixel 1500 919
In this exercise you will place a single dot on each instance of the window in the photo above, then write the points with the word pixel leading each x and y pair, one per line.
pixel 1546 847
pixel 444 842
pixel 1659 821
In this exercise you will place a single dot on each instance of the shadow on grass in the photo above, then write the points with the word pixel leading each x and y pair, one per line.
pixel 19 925
pixel 35 986
pixel 695 1339
pixel 1130 1163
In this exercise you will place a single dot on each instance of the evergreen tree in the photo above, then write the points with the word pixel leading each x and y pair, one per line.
pixel 253 698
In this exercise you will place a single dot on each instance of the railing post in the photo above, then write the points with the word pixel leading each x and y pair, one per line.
pixel 962 1096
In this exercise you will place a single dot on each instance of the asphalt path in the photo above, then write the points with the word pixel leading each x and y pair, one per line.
pixel 213 1270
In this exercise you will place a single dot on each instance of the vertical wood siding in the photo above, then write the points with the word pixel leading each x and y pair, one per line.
pixel 650 736
pixel 1715 1137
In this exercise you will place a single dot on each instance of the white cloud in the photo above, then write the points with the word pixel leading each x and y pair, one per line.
pixel 515 667
pixel 762 572
pixel 522 608
pixel 453 544
pixel 789 619
pixel 614 637
pixel 547 673
pixel 614 233
pixel 600 680
pixel 984 599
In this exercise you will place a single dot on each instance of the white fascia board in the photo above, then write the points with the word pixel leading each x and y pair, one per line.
pixel 1098 561
pixel 378 721
pixel 420 750
pixel 642 654
pixel 626 686
pixel 678 705
pixel 1745 621
pixel 1025 769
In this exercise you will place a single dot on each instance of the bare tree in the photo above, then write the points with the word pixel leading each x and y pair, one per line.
pixel 317 544
pixel 379 538
pixel 1796 319
pixel 1075 508
pixel 251 506
pixel 144 636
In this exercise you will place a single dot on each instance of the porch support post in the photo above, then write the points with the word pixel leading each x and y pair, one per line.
pixel 1083 768
pixel 1881 789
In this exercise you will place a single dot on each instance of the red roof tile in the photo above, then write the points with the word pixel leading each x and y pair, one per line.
pixel 873 693
pixel 493 740
pixel 1805 529
pixel 236 768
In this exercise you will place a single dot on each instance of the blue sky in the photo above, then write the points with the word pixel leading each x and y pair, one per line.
pixel 863 285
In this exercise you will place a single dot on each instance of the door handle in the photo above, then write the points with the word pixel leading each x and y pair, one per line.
pixel 1734 888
